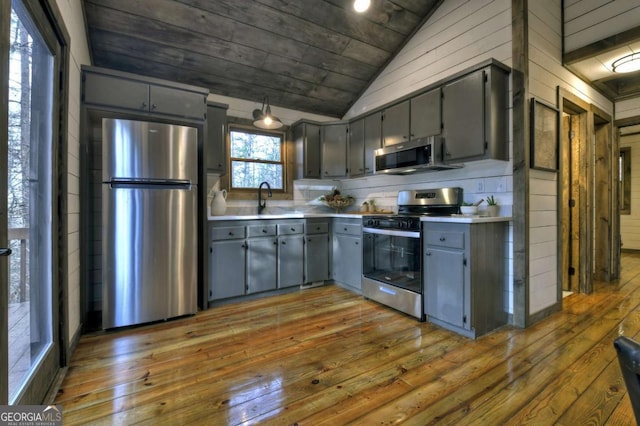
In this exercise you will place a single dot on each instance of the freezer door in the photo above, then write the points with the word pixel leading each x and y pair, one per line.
pixel 149 244
pixel 146 150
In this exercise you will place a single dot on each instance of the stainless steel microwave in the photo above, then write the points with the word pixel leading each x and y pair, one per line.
pixel 411 157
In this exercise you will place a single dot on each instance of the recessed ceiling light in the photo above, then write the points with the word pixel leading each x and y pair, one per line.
pixel 627 63
pixel 361 5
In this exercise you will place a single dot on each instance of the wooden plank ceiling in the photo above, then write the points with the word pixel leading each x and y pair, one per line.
pixel 309 55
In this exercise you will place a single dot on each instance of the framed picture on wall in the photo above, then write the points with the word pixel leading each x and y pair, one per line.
pixel 544 136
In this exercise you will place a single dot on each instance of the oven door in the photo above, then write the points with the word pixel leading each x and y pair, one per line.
pixel 392 269
pixel 393 257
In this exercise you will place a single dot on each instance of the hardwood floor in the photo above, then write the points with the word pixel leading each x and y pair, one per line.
pixel 325 356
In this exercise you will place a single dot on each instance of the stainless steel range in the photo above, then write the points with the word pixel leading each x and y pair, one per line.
pixel 392 248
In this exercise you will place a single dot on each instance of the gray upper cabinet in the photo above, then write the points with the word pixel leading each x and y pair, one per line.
pixel 372 140
pixel 474 115
pixel 308 150
pixel 334 150
pixel 356 148
pixel 395 124
pixel 365 136
pixel 426 117
pixel 114 89
pixel 216 161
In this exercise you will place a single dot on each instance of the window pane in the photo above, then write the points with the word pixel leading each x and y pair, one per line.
pixel 29 197
pixel 250 175
pixel 255 146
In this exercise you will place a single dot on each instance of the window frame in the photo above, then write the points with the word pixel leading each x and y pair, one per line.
pixel 282 162
pixel 287 156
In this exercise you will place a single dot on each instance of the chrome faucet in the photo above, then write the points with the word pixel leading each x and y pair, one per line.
pixel 263 204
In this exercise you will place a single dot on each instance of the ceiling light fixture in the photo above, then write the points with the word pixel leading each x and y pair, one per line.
pixel 263 119
pixel 361 5
pixel 627 63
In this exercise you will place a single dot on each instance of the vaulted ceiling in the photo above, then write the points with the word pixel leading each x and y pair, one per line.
pixel 309 55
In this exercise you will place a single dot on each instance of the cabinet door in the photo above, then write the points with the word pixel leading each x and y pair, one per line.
pixel 316 258
pixel 216 147
pixel 181 103
pixel 463 117
pixel 290 260
pixel 356 148
pixel 372 140
pixel 116 92
pixel 444 285
pixel 261 264
pixel 395 124
pixel 312 152
pixel 347 260
pixel 426 119
pixel 226 269
pixel 334 150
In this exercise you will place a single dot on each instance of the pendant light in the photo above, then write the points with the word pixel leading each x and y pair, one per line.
pixel 263 119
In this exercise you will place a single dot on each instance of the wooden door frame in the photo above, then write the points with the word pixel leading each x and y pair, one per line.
pixel 606 205
pixel 48 18
pixel 571 104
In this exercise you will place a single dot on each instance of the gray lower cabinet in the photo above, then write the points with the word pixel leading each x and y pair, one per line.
pixel 316 250
pixel 262 258
pixel 290 255
pixel 252 256
pixel 347 252
pixel 464 276
pixel 227 259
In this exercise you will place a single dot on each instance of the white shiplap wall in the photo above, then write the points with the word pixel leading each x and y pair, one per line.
pixel 588 21
pixel 459 35
pixel 546 74
pixel 71 11
pixel 630 223
pixel 627 108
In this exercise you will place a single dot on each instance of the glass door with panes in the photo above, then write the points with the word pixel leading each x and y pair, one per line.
pixel 30 350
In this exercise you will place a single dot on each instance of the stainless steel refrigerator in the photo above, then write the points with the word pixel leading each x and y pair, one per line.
pixel 149 221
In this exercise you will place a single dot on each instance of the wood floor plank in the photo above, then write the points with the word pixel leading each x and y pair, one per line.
pixel 326 356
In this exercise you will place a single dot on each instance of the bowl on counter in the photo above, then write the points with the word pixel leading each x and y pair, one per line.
pixel 470 210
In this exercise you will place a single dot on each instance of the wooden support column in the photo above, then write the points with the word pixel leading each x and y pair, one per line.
pixel 520 120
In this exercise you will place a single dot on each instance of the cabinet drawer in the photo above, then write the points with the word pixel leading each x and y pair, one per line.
pixel 348 228
pixel 261 230
pixel 446 239
pixel 317 228
pixel 290 228
pixel 227 233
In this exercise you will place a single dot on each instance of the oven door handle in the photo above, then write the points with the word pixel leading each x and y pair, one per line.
pixel 392 232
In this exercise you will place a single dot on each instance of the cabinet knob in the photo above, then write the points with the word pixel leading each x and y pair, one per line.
pixel 231 234
pixel 284 243
pixel 428 253
pixel 264 231
pixel 293 229
pixel 275 243
pixel 153 106
pixel 442 238
pixel 144 105
pixel 345 228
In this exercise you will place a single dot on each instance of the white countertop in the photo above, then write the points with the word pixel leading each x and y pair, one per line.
pixel 451 219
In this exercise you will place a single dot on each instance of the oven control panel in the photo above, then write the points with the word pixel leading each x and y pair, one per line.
pixel 409 223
